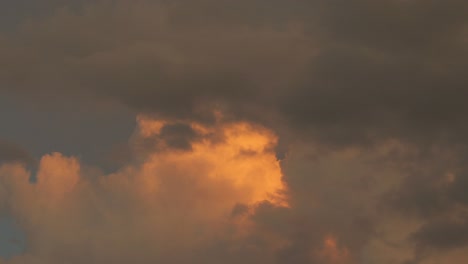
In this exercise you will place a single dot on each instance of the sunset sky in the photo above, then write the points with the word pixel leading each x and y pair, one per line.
pixel 233 131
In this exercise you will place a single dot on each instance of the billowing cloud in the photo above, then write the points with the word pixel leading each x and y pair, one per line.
pixel 167 206
pixel 225 198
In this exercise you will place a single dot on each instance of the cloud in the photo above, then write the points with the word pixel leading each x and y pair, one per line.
pixel 227 198
pixel 365 101
pixel 170 206
pixel 151 56
pixel 320 67
pixel 10 152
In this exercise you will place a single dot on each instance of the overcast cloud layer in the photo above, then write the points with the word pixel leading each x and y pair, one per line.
pixel 363 102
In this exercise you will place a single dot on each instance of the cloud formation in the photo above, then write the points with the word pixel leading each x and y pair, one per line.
pixel 227 198
pixel 363 100
pixel 170 205
pixel 367 67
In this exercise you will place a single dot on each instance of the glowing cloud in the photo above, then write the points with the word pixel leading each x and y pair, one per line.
pixel 173 199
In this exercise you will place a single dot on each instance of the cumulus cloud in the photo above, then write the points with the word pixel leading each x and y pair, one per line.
pixel 225 198
pixel 170 206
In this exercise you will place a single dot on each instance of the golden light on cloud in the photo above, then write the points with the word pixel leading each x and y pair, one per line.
pixel 178 199
pixel 57 176
pixel 238 154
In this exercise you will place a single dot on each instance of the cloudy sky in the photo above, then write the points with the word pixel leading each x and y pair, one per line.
pixel 237 132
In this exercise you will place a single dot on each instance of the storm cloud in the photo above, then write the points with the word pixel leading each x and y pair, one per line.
pixel 364 101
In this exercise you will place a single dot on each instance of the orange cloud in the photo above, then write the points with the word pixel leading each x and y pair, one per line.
pixel 174 200
pixel 238 156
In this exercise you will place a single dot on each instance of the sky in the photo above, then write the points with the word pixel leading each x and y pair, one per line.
pixel 221 131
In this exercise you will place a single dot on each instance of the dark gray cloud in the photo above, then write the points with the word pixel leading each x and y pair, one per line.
pixel 392 68
pixel 443 234
pixel 10 152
